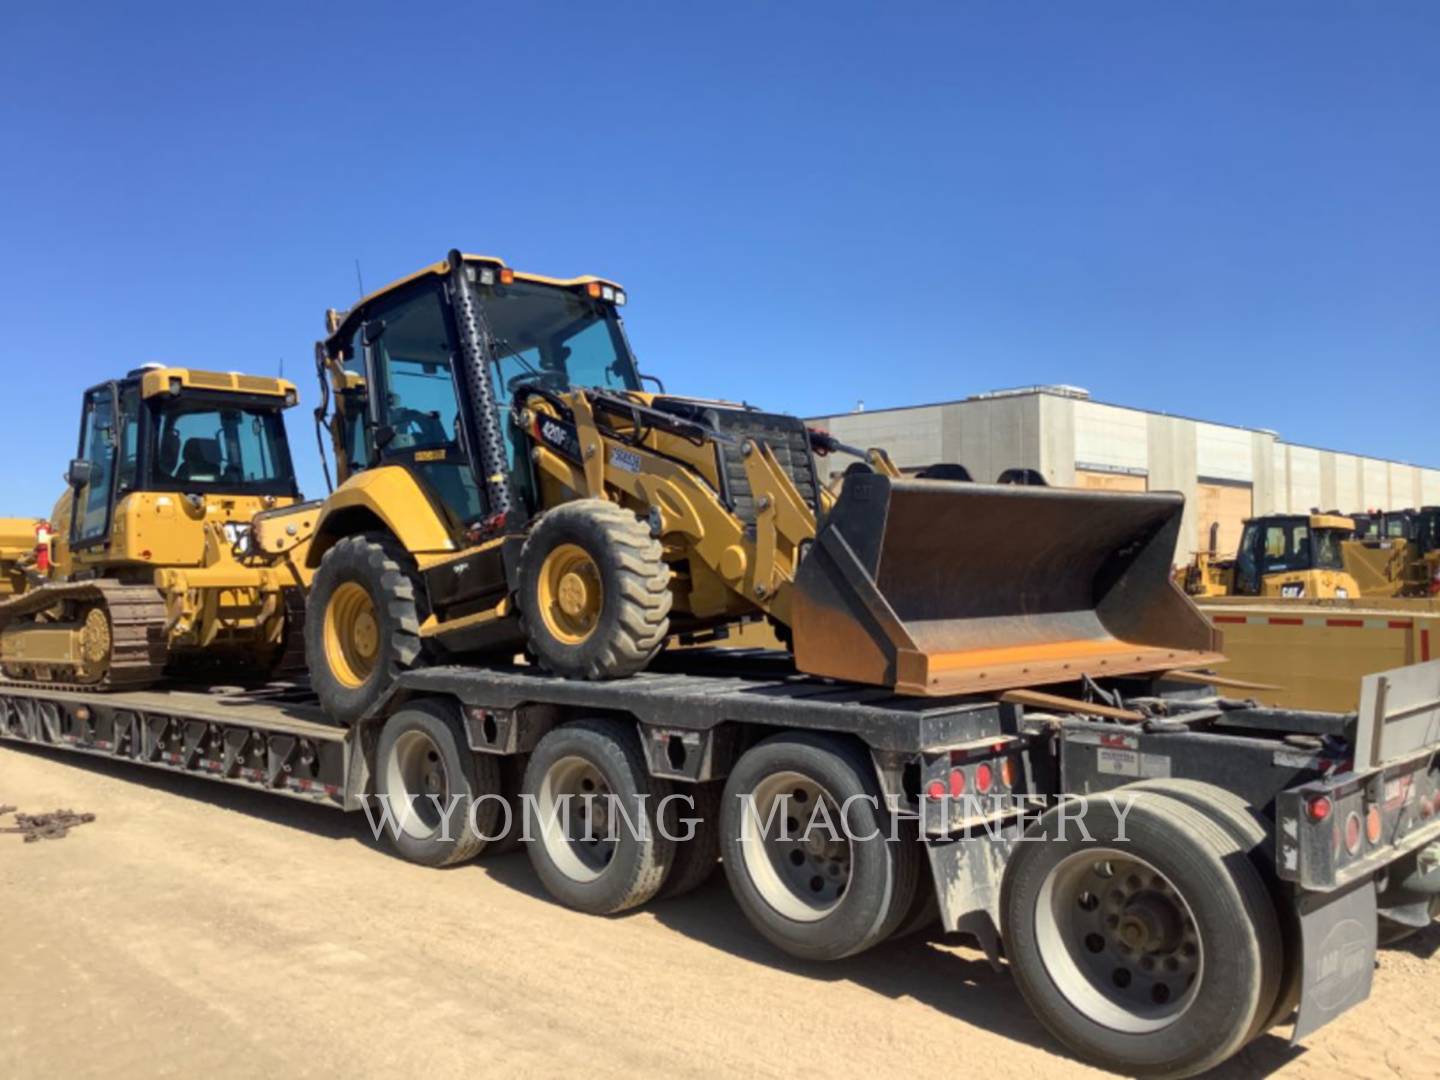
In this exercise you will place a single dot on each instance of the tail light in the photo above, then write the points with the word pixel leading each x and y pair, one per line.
pixel 1318 808
pixel 1372 825
pixel 957 783
pixel 1352 833
pixel 984 778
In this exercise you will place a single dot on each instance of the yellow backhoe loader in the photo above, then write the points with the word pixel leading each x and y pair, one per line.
pixel 507 483
pixel 178 546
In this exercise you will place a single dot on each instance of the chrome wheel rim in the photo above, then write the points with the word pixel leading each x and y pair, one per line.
pixel 417 777
pixel 799 864
pixel 574 805
pixel 1119 940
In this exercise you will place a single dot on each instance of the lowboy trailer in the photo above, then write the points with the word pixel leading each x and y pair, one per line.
pixel 1168 872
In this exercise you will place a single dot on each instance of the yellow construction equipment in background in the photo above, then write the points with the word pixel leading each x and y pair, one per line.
pixel 1281 555
pixel 507 483
pixel 175 546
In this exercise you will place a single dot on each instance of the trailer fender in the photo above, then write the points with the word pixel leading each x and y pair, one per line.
pixel 387 498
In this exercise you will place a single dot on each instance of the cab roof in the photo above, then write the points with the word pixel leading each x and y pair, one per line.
pixel 1315 521
pixel 339 324
pixel 158 379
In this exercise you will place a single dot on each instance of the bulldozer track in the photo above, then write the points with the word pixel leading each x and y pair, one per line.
pixel 138 650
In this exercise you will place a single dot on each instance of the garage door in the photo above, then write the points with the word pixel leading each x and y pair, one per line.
pixel 1220 511
pixel 1108 481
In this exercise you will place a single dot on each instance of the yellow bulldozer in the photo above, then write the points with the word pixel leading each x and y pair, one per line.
pixel 507 482
pixel 177 547
pixel 1281 555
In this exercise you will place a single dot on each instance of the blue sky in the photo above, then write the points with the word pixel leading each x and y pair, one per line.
pixel 1225 210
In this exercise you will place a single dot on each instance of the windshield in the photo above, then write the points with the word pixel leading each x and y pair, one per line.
pixel 556 339
pixel 1293 546
pixel 202 445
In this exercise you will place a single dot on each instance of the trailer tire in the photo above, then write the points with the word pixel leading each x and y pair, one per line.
pixel 818 899
pixel 422 754
pixel 1097 932
pixel 512 780
pixel 695 859
pixel 1253 831
pixel 363 628
pixel 600 877
pixel 594 595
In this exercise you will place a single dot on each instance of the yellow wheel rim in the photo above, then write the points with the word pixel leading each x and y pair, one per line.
pixel 571 594
pixel 352 635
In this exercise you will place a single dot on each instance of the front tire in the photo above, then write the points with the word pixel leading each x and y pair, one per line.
pixel 363 628
pixel 594 591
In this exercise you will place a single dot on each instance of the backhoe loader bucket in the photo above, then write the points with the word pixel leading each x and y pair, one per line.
pixel 933 587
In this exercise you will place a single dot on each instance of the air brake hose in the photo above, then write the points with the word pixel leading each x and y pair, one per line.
pixel 482 420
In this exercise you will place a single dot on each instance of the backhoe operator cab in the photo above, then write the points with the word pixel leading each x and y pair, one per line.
pixel 1294 556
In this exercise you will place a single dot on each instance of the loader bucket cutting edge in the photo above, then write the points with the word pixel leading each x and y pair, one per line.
pixel 934 587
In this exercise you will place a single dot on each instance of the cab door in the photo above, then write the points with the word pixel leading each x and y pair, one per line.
pixel 93 473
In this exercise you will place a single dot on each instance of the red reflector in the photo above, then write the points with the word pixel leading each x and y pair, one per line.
pixel 1352 833
pixel 984 778
pixel 1372 825
pixel 957 783
pixel 936 790
pixel 1319 808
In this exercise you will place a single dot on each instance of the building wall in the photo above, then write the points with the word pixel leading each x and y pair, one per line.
pixel 1225 473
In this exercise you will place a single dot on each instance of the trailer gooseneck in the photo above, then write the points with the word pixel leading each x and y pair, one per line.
pixel 1168 872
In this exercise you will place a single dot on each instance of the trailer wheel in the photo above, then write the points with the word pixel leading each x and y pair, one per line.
pixel 1147 944
pixel 805 841
pixel 598 847
pixel 1250 829
pixel 435 786
pixel 594 591
pixel 696 858
pixel 364 625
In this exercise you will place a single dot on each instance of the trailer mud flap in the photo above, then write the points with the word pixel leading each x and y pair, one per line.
pixel 1337 944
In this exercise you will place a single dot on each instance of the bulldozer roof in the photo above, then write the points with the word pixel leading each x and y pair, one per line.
pixel 338 324
pixel 158 379
pixel 1315 521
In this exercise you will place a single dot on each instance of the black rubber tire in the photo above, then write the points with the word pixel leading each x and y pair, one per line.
pixel 470 776
pixel 635 583
pixel 512 779
pixel 640 864
pixel 1255 834
pixel 1234 916
pixel 381 566
pixel 884 874
pixel 696 858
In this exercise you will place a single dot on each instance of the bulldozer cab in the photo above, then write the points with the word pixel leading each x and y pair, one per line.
pixel 1285 555
pixel 182 432
pixel 403 396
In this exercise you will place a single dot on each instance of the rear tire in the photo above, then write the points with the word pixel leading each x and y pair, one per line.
pixel 841 891
pixel 363 628
pixel 696 858
pixel 1149 952
pixel 582 867
pixel 431 779
pixel 594 591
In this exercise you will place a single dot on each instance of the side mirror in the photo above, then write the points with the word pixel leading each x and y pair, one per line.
pixel 80 472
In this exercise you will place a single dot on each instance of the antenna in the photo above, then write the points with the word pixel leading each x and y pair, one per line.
pixel 282 367
pixel 359 280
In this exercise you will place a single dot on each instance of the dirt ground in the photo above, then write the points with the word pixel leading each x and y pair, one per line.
pixel 199 930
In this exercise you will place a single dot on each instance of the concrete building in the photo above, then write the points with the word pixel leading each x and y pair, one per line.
pixel 1225 473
